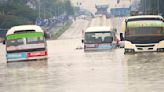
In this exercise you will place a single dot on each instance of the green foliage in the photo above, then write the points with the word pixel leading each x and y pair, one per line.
pixel 57 7
pixel 61 30
pixel 69 8
pixel 161 7
pixel 15 12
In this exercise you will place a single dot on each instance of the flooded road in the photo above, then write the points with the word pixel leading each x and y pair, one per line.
pixel 69 69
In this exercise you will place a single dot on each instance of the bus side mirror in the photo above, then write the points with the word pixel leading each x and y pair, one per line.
pixel 46 35
pixel 82 41
pixel 4 42
pixel 115 30
pixel 121 37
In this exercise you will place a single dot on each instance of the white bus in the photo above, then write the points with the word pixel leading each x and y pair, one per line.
pixel 143 33
pixel 99 37
pixel 25 42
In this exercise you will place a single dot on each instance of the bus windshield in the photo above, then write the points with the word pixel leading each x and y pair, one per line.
pixel 145 31
pixel 98 37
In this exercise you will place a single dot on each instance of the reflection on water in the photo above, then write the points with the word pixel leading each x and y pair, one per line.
pixel 30 64
pixel 145 72
pixel 24 77
pixel 71 70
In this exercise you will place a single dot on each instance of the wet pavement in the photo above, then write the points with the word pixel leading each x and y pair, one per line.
pixel 69 69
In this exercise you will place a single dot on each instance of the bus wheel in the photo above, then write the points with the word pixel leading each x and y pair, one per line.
pixel 125 52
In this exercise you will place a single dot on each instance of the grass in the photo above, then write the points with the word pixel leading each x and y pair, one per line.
pixel 61 30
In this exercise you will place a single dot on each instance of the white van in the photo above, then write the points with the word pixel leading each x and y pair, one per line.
pixel 99 38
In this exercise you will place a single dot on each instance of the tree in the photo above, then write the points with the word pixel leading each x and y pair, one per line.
pixel 69 8
pixel 16 12
pixel 161 7
pixel 51 8
pixel 152 6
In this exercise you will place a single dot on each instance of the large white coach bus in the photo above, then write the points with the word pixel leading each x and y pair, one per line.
pixel 25 42
pixel 143 33
pixel 99 37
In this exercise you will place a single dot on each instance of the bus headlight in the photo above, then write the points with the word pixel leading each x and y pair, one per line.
pixel 160 49
pixel 161 44
pixel 129 45
pixel 129 50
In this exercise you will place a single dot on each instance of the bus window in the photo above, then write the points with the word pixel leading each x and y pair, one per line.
pixel 15 42
pixel 98 37
pixel 35 40
pixel 108 39
pixel 98 40
pixel 142 31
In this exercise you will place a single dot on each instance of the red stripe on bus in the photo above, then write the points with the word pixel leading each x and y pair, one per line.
pixel 35 54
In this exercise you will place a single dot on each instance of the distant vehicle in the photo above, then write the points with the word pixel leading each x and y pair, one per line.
pixel 25 42
pixel 99 37
pixel 143 33
pixel 101 9
pixel 83 17
pixel 120 12
pixel 102 6
pixel 98 15
pixel 108 15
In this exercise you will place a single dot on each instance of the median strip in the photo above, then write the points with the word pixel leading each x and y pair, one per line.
pixel 61 30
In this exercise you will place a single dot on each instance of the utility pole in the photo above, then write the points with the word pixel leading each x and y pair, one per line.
pixel 44 13
pixel 158 6
pixel 144 7
pixel 50 12
pixel 39 8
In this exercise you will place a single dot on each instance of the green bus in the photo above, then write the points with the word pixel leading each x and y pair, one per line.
pixel 25 42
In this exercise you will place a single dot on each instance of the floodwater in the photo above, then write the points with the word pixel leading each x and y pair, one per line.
pixel 69 69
